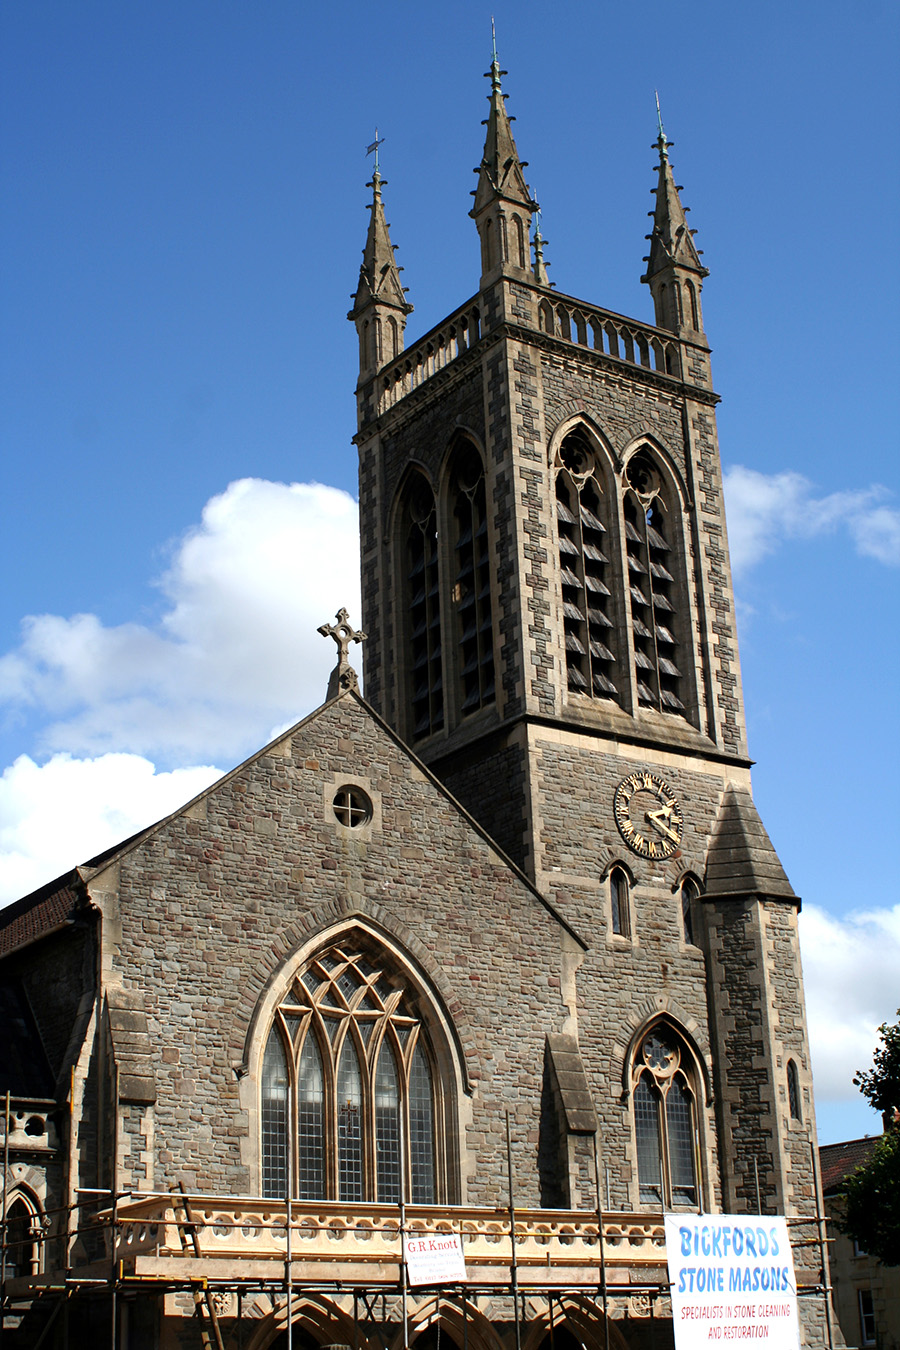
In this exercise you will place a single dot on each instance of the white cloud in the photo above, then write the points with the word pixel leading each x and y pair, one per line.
pixel 850 967
pixel 56 815
pixel 236 650
pixel 766 509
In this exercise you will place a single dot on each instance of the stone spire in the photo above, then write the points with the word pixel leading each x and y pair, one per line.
pixel 380 306
pixel 503 204
pixel 674 270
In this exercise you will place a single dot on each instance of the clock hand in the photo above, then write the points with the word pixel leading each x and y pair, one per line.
pixel 655 819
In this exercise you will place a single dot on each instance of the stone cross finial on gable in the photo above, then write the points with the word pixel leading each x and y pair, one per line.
pixel 343 676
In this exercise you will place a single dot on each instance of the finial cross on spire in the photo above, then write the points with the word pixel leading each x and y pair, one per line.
pixel 662 141
pixel 343 676
pixel 378 141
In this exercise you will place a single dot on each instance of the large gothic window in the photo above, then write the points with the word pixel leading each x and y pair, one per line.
pixel 654 597
pixel 471 592
pixel 584 571
pixel 348 1098
pixel 665 1123
pixel 423 612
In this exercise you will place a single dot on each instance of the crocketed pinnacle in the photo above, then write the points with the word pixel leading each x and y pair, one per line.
pixel 540 267
pixel 671 243
pixel 379 275
pixel 501 172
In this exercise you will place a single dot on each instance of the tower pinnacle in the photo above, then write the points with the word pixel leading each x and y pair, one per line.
pixel 380 306
pixel 540 267
pixel 503 204
pixel 674 270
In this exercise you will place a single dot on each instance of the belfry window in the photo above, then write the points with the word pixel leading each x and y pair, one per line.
pixel 423 612
pixel 347 1087
pixel 651 586
pixel 584 571
pixel 664 1105
pixel 471 594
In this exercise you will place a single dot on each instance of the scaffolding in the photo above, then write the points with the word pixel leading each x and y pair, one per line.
pixel 222 1253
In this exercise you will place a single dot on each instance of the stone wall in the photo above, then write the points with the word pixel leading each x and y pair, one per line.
pixel 215 900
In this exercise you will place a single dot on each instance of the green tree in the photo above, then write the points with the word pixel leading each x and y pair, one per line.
pixel 872 1192
pixel 881 1083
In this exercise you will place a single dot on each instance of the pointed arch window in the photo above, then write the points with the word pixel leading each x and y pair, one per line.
pixel 471 593
pixel 423 612
pixel 793 1087
pixel 23 1232
pixel 619 904
pixel 654 597
pixel 584 569
pixel 665 1120
pixel 347 1091
pixel 688 895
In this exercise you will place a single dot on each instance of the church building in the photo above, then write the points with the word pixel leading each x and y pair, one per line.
pixel 502 949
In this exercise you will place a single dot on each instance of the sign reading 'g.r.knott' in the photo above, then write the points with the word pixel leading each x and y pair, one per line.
pixel 435 1258
pixel 732 1279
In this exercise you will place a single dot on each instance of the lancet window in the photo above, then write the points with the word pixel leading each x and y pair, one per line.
pixel 22 1233
pixel 665 1120
pixel 471 592
pixel 584 570
pixel 423 611
pixel 347 1090
pixel 653 595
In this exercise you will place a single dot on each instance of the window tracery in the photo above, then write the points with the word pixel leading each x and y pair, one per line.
pixel 584 569
pixel 471 593
pixel 347 1088
pixel 665 1119
pixel 653 594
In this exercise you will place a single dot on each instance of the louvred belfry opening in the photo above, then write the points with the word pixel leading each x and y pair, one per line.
pixel 472 581
pixel 423 610
pixel 584 571
pixel 651 587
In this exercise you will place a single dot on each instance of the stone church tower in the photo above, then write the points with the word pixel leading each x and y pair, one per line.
pixel 548 600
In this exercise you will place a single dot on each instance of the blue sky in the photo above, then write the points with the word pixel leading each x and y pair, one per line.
pixel 181 232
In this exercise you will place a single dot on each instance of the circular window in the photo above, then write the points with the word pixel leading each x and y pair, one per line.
pixel 352 807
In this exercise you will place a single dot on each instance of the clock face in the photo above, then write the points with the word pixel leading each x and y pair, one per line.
pixel 648 815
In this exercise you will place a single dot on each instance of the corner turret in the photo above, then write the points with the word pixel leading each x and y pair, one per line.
pixel 380 306
pixel 674 271
pixel 503 203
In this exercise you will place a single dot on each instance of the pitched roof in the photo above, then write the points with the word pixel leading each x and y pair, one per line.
pixel 57 902
pixel 837 1161
pixel 51 905
pixel 741 858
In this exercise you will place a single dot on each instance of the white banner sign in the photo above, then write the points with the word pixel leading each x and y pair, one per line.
pixel 435 1258
pixel 732 1280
